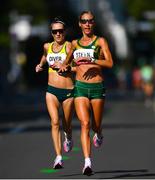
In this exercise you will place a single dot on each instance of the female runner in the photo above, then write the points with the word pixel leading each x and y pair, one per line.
pixel 91 54
pixel 59 90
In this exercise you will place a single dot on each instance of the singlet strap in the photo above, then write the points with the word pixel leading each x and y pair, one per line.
pixel 50 47
pixel 63 50
pixel 93 43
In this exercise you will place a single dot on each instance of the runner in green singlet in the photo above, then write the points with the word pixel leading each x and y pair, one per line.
pixel 91 54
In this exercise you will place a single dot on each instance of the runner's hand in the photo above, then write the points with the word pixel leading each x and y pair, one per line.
pixel 38 68
pixel 63 68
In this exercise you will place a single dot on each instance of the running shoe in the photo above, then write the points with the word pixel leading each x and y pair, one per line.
pixel 97 140
pixel 87 170
pixel 68 144
pixel 58 164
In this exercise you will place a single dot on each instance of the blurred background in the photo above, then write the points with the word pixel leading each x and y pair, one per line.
pixel 128 26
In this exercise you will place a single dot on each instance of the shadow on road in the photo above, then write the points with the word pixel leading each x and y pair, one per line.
pixel 141 173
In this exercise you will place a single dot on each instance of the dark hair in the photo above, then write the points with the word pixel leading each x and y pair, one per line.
pixel 58 20
pixel 86 12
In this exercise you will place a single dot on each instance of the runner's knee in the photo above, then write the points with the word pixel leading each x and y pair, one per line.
pixel 55 124
pixel 85 124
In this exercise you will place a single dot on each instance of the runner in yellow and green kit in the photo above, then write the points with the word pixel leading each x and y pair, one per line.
pixel 59 90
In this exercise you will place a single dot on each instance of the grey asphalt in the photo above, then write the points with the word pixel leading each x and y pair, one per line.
pixel 128 151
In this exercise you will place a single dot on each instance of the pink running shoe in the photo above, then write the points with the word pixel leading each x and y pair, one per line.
pixel 97 140
pixel 68 145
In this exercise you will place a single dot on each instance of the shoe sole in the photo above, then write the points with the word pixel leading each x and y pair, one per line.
pixel 58 166
pixel 88 171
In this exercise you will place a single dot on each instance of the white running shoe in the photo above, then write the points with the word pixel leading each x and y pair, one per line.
pixel 87 170
pixel 58 163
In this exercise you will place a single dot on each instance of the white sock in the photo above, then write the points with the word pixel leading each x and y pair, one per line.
pixel 87 162
pixel 59 157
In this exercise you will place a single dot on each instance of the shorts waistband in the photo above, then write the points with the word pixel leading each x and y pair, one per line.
pixel 89 85
pixel 56 88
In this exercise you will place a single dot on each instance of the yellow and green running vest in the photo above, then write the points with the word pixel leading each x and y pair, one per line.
pixel 55 56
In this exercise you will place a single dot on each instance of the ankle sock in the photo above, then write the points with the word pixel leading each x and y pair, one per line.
pixel 87 162
pixel 59 157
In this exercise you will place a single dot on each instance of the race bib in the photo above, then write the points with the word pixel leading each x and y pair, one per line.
pixel 51 58
pixel 85 53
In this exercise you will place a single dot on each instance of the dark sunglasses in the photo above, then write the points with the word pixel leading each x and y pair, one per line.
pixel 54 31
pixel 84 21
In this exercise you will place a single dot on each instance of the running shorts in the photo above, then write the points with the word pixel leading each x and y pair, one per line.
pixel 89 90
pixel 61 94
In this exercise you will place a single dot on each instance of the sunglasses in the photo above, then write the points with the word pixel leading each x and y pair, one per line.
pixel 84 21
pixel 54 31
